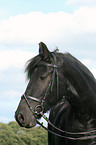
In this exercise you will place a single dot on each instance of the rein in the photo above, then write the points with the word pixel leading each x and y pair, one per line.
pixel 41 106
pixel 67 137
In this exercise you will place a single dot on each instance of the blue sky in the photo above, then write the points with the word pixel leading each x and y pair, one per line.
pixel 15 7
pixel 69 25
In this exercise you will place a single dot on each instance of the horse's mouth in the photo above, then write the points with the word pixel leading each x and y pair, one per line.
pixel 24 122
pixel 30 125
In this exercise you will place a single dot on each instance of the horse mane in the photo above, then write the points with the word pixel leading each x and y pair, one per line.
pixel 75 63
pixel 31 65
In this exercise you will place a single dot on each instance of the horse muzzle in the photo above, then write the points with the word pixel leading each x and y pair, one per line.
pixel 24 121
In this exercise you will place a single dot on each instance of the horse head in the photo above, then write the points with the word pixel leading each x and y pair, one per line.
pixel 43 89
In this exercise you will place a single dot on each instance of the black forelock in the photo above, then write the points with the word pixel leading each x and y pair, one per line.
pixel 31 65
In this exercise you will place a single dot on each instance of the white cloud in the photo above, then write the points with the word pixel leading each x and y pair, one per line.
pixel 55 28
pixel 93 70
pixel 90 64
pixel 11 94
pixel 87 62
pixel 14 58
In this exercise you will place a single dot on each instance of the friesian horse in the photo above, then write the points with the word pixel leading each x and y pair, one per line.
pixel 62 84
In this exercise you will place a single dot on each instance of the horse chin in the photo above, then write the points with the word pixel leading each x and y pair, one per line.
pixel 32 123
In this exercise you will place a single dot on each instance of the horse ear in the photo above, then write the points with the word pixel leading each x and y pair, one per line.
pixel 44 52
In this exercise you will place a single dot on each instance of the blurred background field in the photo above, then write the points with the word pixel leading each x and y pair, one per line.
pixel 13 134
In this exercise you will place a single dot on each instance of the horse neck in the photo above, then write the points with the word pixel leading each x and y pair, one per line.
pixel 80 83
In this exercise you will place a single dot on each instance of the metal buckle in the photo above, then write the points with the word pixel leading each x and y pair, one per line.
pixel 36 110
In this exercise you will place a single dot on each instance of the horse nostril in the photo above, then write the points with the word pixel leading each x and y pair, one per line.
pixel 20 118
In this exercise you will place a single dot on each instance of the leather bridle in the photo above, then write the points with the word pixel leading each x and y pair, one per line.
pixel 41 107
pixel 50 87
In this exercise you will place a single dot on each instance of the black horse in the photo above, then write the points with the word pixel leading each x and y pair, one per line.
pixel 60 83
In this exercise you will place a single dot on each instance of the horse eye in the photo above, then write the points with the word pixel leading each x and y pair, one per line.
pixel 42 77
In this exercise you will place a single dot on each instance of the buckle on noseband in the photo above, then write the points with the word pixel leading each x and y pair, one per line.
pixel 37 108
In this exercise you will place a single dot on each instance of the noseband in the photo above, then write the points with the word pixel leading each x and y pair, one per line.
pixel 50 87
